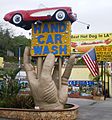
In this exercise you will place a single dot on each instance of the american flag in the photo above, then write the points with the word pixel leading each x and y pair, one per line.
pixel 91 62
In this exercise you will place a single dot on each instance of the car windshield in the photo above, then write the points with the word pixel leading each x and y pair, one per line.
pixel 40 6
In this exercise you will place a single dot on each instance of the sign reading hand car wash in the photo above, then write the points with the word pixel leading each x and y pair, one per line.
pixel 51 37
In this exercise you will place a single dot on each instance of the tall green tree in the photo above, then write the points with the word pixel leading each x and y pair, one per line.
pixel 10 42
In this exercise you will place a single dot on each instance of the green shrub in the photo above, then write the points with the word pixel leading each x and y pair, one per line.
pixel 20 101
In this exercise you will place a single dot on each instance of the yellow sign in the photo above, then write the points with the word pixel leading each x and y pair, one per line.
pixel 89 37
pixel 51 37
pixel 84 42
pixel 104 53
pixel 1 62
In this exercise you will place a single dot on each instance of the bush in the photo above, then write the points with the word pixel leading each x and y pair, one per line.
pixel 23 102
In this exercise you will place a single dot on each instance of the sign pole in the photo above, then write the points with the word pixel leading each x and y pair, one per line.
pixel 104 81
pixel 102 75
pixel 39 67
pixel 111 77
pixel 60 71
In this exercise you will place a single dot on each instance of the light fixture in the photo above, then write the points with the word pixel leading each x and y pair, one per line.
pixel 88 25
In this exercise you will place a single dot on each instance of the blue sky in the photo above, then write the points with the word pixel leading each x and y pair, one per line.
pixel 97 13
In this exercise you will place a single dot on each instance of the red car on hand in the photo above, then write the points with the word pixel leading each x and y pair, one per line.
pixel 24 18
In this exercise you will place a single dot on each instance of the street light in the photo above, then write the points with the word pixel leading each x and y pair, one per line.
pixel 19 62
pixel 88 25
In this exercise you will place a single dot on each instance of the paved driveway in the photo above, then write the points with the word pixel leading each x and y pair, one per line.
pixel 92 110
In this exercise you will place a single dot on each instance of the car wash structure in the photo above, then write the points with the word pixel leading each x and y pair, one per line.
pixel 51 31
pixel 52 37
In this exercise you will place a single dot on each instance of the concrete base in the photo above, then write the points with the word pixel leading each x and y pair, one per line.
pixel 70 113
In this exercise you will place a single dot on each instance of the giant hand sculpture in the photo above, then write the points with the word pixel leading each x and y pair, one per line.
pixel 45 90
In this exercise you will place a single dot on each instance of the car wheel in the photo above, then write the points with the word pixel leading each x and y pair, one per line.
pixel 17 19
pixel 60 15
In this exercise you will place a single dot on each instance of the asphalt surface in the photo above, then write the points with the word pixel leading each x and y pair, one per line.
pixel 93 110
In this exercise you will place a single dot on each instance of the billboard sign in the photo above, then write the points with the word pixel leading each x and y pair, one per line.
pixel 104 53
pixel 84 42
pixel 51 37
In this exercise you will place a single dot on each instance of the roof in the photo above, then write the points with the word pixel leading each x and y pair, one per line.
pixel 21 75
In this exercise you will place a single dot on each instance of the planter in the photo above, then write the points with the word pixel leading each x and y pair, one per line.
pixel 70 113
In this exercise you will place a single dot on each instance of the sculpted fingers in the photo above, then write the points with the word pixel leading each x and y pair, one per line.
pixel 27 55
pixel 68 69
pixel 48 64
pixel 26 61
pixel 55 75
pixel 65 77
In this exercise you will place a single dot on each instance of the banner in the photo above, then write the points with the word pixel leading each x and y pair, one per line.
pixel 51 37
pixel 90 37
pixel 84 42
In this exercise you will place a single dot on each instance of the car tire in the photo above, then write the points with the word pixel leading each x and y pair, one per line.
pixel 60 15
pixel 17 19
